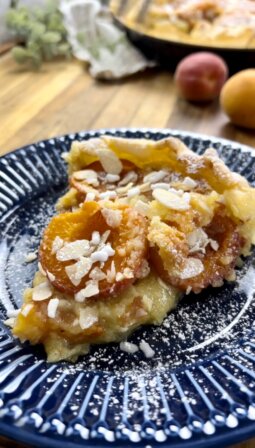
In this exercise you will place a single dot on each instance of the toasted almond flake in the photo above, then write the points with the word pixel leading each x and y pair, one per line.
pixel 90 196
pixel 127 273
pixel 146 349
pixel 12 313
pixel 111 273
pixel 188 290
pixel 50 276
pixel 10 322
pixel 177 192
pixel 42 291
pixel 57 244
pixel 124 190
pixel 197 241
pixel 97 274
pixel 112 217
pixel 128 347
pixel 73 250
pixel 103 254
pixel 108 195
pixel 131 176
pixel 77 271
pixel 214 244
pixel 109 161
pixel 155 176
pixel 75 322
pixel 112 178
pixel 95 239
pixel 90 176
pixel 26 309
pixel 162 185
pixel 41 270
pixel 52 308
pixel 142 207
pixel 119 277
pixel 171 200
pixel 192 268
pixel 189 183
pixel 31 257
pixel 133 192
pixel 88 317
pixel 104 237
pixel 90 290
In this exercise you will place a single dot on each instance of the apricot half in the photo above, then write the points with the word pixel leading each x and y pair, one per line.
pixel 217 264
pixel 127 241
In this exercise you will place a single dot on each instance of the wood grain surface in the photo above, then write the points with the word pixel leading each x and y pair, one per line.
pixel 63 98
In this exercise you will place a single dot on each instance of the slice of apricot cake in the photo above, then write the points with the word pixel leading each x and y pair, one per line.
pixel 142 223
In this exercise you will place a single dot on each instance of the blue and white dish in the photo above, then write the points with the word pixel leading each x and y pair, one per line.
pixel 199 388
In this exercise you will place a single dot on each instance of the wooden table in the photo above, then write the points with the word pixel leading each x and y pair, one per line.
pixel 63 98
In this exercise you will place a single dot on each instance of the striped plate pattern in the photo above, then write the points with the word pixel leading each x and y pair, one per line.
pixel 198 389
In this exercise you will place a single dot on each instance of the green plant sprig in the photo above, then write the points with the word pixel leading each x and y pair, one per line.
pixel 41 32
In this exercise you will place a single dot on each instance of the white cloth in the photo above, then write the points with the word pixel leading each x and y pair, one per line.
pixel 96 39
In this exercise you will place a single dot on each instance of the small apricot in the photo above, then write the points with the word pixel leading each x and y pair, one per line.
pixel 238 98
pixel 127 240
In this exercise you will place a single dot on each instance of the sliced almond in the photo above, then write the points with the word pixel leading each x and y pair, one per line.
pixel 57 244
pixel 155 176
pixel 42 291
pixel 112 178
pixel 52 308
pixel 131 176
pixel 171 200
pixel 73 250
pixel 142 207
pixel 88 317
pixel 133 192
pixel 128 347
pixel 26 309
pixel 31 257
pixel 78 270
pixel 109 161
pixel 112 217
pixel 189 183
pixel 97 274
pixel 192 268
pixel 90 290
pixel 90 176
pixel 50 276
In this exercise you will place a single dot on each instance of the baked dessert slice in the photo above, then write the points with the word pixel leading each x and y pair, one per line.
pixel 217 23
pixel 142 223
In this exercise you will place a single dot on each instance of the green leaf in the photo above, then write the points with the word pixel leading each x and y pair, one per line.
pixel 20 54
pixel 51 37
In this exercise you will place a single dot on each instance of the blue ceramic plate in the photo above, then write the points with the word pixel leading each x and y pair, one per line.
pixel 199 388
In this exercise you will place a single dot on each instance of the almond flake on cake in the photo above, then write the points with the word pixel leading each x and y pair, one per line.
pixel 88 317
pixel 171 200
pixel 42 291
pixel 73 250
pixel 57 244
pixel 52 308
pixel 112 217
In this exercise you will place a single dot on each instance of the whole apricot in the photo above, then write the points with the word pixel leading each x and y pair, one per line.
pixel 200 76
pixel 238 98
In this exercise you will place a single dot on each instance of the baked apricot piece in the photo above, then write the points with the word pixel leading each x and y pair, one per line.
pixel 176 263
pixel 103 244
